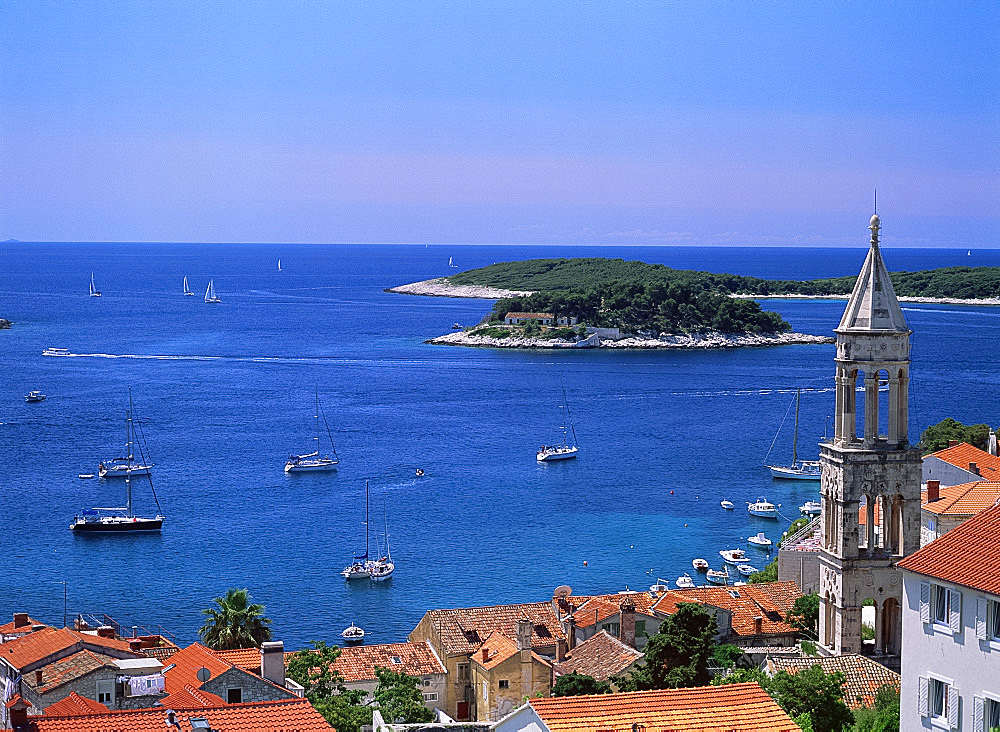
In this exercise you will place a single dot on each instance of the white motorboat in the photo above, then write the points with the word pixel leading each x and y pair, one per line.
pixel 660 586
pixel 760 540
pixel 313 462
pixel 685 581
pixel 456 326
pixel 733 556
pixel 746 570
pixel 85 476
pixel 124 467
pixel 811 508
pixel 210 295
pixel 728 505
pixel 717 576
pixel 34 396
pixel 700 564
pixel 763 508
pixel 50 351
pixel 799 469
pixel 187 290
pixel 360 568
pixel 94 292
pixel 565 451
pixel 353 634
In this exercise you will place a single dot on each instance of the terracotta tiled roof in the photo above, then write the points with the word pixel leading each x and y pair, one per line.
pixel 12 628
pixel 462 630
pixel 65 670
pixel 601 607
pixel 643 601
pixel 963 453
pixel 769 601
pixel 496 649
pixel 75 704
pixel 273 716
pixel 863 676
pixel 601 656
pixel 966 499
pixel 247 659
pixel 743 707
pixel 191 698
pixel 188 661
pixel 357 663
pixel 160 654
pixel 23 652
pixel 966 555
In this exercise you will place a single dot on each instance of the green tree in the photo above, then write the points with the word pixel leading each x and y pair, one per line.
pixel 883 716
pixel 677 656
pixel 814 692
pixel 768 574
pixel 742 676
pixel 804 614
pixel 574 684
pixel 399 698
pixel 313 669
pixel 235 622
pixel 727 655
pixel 936 437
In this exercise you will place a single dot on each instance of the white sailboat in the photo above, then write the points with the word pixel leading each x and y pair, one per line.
pixel 565 451
pixel 210 295
pixel 360 568
pixel 125 467
pixel 383 567
pixel 279 265
pixel 187 290
pixel 451 263
pixel 799 469
pixel 313 462
pixel 94 292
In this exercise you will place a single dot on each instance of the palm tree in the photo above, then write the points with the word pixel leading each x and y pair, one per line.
pixel 236 623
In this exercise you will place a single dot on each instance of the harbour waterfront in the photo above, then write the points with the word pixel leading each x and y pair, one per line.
pixel 224 394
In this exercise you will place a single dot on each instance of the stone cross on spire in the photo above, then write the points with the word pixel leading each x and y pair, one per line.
pixel 873 305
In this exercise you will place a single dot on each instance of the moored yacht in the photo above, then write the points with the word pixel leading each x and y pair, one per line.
pixel 718 577
pixel 684 581
pixel 565 451
pixel 353 634
pixel 763 508
pixel 313 462
pixel 123 467
pixel 811 508
pixel 361 567
pixel 733 556
pixel 34 396
pixel 760 540
pixel 798 469
pixel 728 505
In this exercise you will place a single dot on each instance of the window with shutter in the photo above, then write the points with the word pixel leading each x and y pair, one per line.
pixel 981 609
pixel 955 610
pixel 925 602
pixel 978 713
pixel 952 706
pixel 993 620
pixel 922 702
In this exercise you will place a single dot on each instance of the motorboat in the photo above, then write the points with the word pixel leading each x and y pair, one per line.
pixel 456 326
pixel 94 292
pixel 760 540
pixel 728 505
pixel 811 508
pixel 565 451
pixel 313 462
pixel 210 295
pixel 685 581
pixel 660 586
pixel 700 564
pixel 733 556
pixel 746 570
pixel 34 396
pixel 762 508
pixel 717 576
pixel 353 634
pixel 85 476
pixel 50 351
pixel 798 469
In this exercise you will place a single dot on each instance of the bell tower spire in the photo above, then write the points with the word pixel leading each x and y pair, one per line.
pixel 870 476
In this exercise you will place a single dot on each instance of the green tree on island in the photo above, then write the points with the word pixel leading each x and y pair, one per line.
pixel 676 656
pixel 235 622
pixel 574 684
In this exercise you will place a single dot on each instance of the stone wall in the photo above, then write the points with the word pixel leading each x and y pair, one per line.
pixel 253 688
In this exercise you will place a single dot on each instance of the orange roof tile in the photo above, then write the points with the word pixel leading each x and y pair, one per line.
pixel 863 676
pixel 963 453
pixel 12 628
pixel 601 656
pixel 496 649
pixel 602 607
pixel 743 707
pixel 462 630
pixel 769 601
pixel 66 669
pixel 965 499
pixel 29 649
pixel 358 663
pixel 191 698
pixel 272 716
pixel 188 661
pixel 75 704
pixel 247 659
pixel 966 555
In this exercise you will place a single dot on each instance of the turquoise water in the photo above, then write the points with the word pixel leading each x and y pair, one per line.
pixel 225 393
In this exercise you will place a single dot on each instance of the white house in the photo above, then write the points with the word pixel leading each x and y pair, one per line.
pixel 951 630
pixel 960 462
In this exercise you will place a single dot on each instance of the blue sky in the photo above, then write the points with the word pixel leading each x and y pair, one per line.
pixel 731 123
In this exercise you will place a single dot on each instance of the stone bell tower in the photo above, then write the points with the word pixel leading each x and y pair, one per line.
pixel 870 476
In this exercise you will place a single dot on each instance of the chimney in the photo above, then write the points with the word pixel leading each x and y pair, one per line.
pixel 626 629
pixel 106 631
pixel 523 634
pixel 933 490
pixel 571 633
pixel 38 677
pixel 952 443
pixel 560 650
pixel 524 647
pixel 21 619
pixel 272 662
pixel 973 468
pixel 18 711
pixel 135 645
pixel 758 625
pixel 486 654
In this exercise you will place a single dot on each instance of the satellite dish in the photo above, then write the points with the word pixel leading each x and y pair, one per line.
pixel 204 674
pixel 562 592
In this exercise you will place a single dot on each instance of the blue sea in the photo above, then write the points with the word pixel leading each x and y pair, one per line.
pixel 225 393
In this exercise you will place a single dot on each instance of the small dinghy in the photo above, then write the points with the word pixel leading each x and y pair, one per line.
pixel 717 576
pixel 760 540
pixel 746 570
pixel 685 581
pixel 728 505
pixel 353 634
pixel 700 564
pixel 85 476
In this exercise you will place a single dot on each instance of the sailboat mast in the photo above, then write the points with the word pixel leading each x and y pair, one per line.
pixel 317 422
pixel 367 540
pixel 128 493
pixel 795 435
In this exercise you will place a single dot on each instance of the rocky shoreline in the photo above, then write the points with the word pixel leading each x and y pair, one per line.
pixel 704 340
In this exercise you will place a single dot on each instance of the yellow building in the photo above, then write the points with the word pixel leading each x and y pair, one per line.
pixel 505 673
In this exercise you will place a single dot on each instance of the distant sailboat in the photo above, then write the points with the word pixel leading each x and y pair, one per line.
pixel 94 292
pixel 313 462
pixel 565 451
pixel 279 265
pixel 210 295
pixel 187 290
pixel 451 263
pixel 799 469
